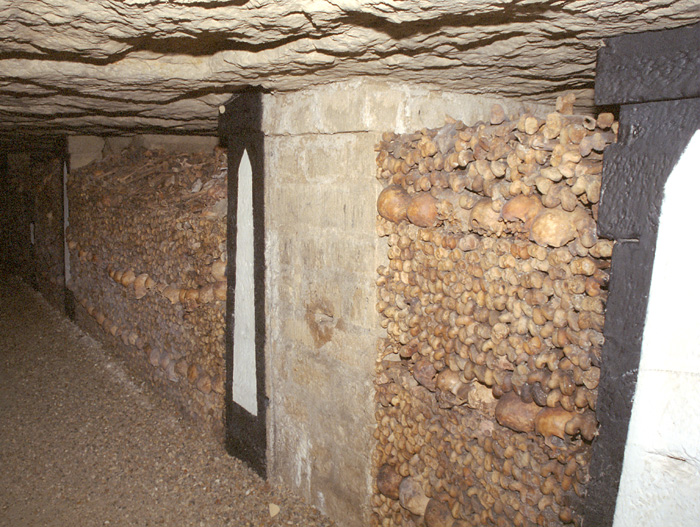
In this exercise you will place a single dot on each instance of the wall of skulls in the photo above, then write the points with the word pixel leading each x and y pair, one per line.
pixel 147 242
pixel 493 302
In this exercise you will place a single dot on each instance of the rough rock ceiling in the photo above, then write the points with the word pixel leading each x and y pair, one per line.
pixel 106 66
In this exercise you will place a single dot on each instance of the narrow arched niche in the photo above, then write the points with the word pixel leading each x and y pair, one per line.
pixel 244 379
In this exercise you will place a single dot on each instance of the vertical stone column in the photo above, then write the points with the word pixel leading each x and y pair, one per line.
pixel 322 253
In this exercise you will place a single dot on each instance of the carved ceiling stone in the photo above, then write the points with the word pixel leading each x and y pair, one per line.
pixel 129 66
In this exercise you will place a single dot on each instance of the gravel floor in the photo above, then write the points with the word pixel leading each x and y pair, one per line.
pixel 82 444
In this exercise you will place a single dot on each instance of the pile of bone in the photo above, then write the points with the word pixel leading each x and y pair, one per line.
pixel 148 263
pixel 493 301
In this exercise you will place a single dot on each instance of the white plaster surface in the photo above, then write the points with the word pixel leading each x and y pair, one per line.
pixel 362 105
pixel 244 381
pixel 660 484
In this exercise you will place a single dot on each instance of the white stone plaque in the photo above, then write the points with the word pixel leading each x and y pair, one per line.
pixel 244 381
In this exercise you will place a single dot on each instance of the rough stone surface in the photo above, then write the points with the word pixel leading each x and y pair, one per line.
pixel 109 67
pixel 667 61
pixel 84 149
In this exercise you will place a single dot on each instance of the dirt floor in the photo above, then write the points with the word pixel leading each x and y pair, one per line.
pixel 82 444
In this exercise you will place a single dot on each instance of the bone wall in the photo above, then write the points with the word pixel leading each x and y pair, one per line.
pixel 322 254
pixel 493 302
pixel 147 244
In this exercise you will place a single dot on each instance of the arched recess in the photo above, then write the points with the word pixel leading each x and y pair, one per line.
pixel 660 482
pixel 658 117
pixel 246 399
pixel 244 383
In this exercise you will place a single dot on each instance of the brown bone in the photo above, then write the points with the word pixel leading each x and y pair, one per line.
pixel 553 227
pixel 523 208
pixel 515 414
pixel 412 497
pixel 388 481
pixel 552 422
pixel 422 210
pixel 585 423
pixel 392 203
pixel 437 514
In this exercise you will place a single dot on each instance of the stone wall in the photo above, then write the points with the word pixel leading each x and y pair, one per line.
pixel 322 255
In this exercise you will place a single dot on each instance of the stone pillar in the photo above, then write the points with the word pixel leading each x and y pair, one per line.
pixel 240 127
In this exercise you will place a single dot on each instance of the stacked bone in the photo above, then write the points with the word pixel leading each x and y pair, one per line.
pixel 148 264
pixel 493 302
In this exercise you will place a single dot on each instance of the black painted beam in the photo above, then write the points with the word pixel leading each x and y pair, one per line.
pixel 638 72
pixel 653 66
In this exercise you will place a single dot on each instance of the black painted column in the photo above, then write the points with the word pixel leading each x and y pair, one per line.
pixel 240 130
pixel 655 78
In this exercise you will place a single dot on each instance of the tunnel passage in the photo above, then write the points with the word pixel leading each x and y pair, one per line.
pixel 32 212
